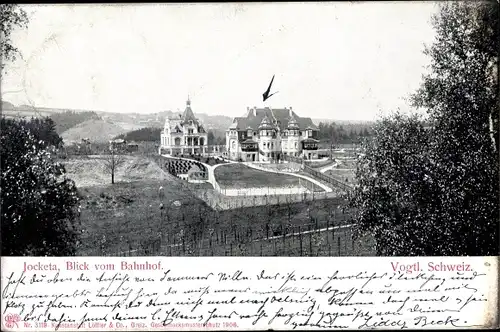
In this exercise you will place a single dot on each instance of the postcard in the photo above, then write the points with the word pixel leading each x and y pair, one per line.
pixel 249 166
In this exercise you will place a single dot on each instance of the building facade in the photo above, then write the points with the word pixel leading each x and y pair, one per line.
pixel 266 134
pixel 183 135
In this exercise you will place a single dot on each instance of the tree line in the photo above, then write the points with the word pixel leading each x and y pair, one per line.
pixel 343 134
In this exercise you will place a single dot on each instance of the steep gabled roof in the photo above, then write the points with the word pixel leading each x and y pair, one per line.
pixel 277 117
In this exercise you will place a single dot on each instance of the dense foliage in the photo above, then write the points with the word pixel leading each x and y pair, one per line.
pixel 38 204
pixel 11 17
pixel 435 191
pixel 43 131
pixel 343 134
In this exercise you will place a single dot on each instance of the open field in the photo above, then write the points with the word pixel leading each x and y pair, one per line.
pixel 91 170
pixel 127 215
pixel 126 219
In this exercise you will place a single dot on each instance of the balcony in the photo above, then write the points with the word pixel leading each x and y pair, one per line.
pixel 310 144
pixel 249 148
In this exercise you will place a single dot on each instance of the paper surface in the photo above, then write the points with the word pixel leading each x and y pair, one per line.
pixel 243 293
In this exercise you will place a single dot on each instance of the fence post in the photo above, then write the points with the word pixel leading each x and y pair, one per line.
pixel 345 242
pixel 327 231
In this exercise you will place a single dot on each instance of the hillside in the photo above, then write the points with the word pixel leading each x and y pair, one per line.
pixel 99 131
pixel 92 171
pixel 70 119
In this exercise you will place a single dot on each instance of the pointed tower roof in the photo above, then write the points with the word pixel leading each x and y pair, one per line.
pixel 265 123
pixel 292 123
pixel 188 112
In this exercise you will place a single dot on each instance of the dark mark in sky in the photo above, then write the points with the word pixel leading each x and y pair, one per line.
pixel 266 94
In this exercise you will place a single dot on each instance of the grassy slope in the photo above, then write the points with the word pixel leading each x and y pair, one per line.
pixel 100 131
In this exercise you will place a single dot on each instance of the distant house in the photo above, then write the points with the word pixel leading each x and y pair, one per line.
pixel 132 147
pixel 184 134
pixel 117 144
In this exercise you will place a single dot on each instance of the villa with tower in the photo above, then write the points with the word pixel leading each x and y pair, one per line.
pixel 266 134
pixel 184 134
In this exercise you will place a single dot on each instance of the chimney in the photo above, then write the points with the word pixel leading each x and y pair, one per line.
pixel 290 112
pixel 254 111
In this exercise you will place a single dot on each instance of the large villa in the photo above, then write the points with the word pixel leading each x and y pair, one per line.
pixel 264 134
pixel 184 134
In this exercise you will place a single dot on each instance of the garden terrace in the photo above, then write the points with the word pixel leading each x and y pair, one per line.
pixel 241 176
pixel 182 166
pixel 205 159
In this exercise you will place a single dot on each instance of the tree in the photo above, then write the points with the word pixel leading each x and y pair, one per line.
pixel 435 191
pixel 392 194
pixel 44 132
pixel 11 16
pixel 461 96
pixel 37 200
pixel 112 161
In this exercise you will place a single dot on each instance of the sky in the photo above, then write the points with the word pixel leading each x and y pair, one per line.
pixel 338 60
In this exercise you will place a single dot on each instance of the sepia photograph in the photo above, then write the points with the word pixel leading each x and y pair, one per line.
pixel 250 129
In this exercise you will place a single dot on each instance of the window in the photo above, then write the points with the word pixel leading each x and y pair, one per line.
pixel 272 145
pixel 233 145
pixel 310 133
pixel 296 145
pixel 190 131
